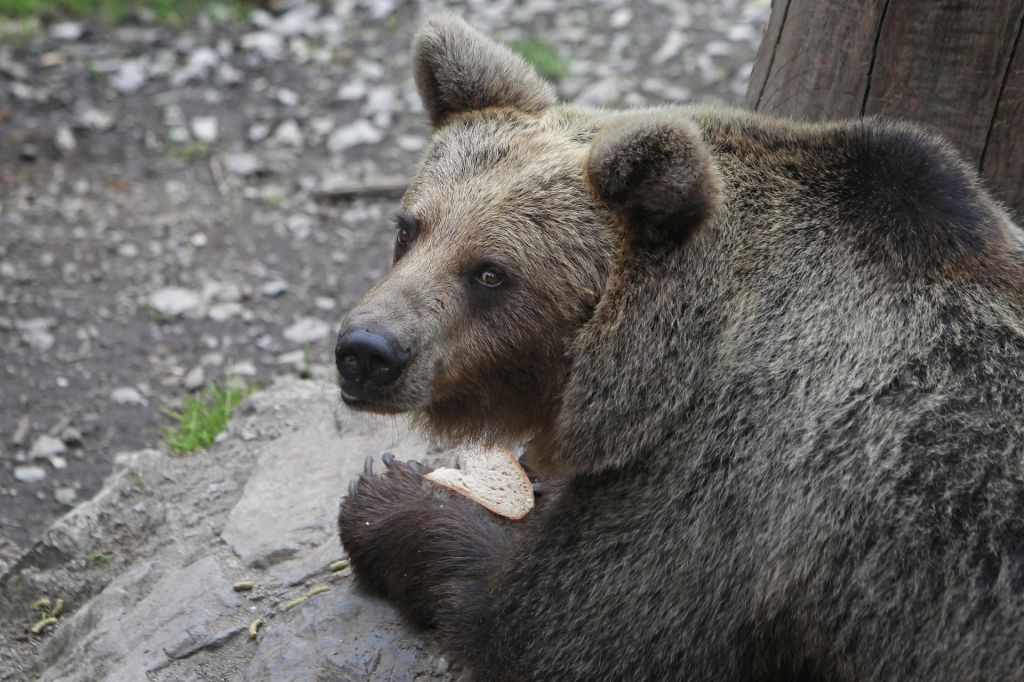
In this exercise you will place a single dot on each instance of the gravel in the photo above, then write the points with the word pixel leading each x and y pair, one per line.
pixel 166 218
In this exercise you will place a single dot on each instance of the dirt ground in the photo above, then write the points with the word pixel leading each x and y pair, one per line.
pixel 182 204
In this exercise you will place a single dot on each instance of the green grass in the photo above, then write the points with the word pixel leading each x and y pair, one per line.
pixel 201 418
pixel 168 12
pixel 190 151
pixel 96 559
pixel 542 57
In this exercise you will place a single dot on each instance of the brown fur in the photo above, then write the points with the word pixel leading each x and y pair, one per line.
pixel 793 421
pixel 500 182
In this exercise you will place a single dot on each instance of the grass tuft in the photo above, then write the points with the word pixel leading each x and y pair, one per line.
pixel 202 418
pixel 96 559
pixel 190 151
pixel 542 57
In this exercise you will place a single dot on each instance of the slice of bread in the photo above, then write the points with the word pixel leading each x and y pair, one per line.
pixel 490 476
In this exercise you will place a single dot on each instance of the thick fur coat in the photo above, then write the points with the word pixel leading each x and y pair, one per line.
pixel 791 432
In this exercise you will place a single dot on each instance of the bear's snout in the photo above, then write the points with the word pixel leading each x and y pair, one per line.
pixel 369 361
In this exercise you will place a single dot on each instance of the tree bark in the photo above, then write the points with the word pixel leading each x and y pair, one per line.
pixel 954 65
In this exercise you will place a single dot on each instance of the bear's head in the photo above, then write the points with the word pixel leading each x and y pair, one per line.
pixel 505 240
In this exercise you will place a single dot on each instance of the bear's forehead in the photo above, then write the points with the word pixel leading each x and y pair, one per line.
pixel 481 141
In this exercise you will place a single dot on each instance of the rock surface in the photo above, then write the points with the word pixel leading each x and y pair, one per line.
pixel 146 569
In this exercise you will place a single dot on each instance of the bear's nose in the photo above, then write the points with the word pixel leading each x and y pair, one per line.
pixel 369 359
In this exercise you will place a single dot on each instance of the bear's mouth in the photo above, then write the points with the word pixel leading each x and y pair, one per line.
pixel 376 404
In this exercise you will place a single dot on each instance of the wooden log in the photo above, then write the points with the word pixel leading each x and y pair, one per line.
pixel 953 65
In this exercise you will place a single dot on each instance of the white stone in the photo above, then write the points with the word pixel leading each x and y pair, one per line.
pixel 243 164
pixel 67 30
pixel 220 312
pixel 620 18
pixel 205 128
pixel 195 379
pixel 58 462
pixel 126 395
pixel 35 332
pixel 307 330
pixel 200 62
pixel 352 91
pixel 94 118
pixel 670 49
pixel 65 495
pixel 131 76
pixel 29 473
pixel 352 135
pixel 301 20
pixel 274 288
pixel 288 98
pixel 65 140
pixel 46 446
pixel 258 132
pixel 245 368
pixel 175 301
pixel 289 134
pixel 269 45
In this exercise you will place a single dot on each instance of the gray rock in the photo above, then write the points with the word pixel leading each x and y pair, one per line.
pixel 195 638
pixel 35 332
pixel 354 134
pixel 29 473
pixel 307 330
pixel 178 531
pixel 268 45
pixel 289 134
pixel 352 91
pixel 200 62
pixel 620 18
pixel 258 132
pixel 245 368
pixel 287 97
pixel 71 436
pixel 175 301
pixel 381 104
pixel 65 140
pixel 194 379
pixel 127 395
pixel 65 495
pixel 274 288
pixel 219 312
pixel 46 446
pixel 96 119
pixel 376 644
pixel 301 20
pixel 380 9
pixel 131 76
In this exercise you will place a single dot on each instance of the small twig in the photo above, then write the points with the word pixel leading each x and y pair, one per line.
pixel 386 188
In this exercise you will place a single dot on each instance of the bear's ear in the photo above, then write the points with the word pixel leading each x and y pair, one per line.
pixel 653 170
pixel 459 69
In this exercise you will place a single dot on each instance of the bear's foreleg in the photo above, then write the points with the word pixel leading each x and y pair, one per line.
pixel 414 543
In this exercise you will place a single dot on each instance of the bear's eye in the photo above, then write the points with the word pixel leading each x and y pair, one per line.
pixel 407 227
pixel 491 277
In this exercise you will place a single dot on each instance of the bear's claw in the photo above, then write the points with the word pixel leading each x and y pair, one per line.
pixel 388 459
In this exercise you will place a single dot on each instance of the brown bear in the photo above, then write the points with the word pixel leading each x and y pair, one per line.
pixel 792 424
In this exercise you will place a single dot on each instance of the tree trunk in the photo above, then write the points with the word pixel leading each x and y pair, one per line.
pixel 954 65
